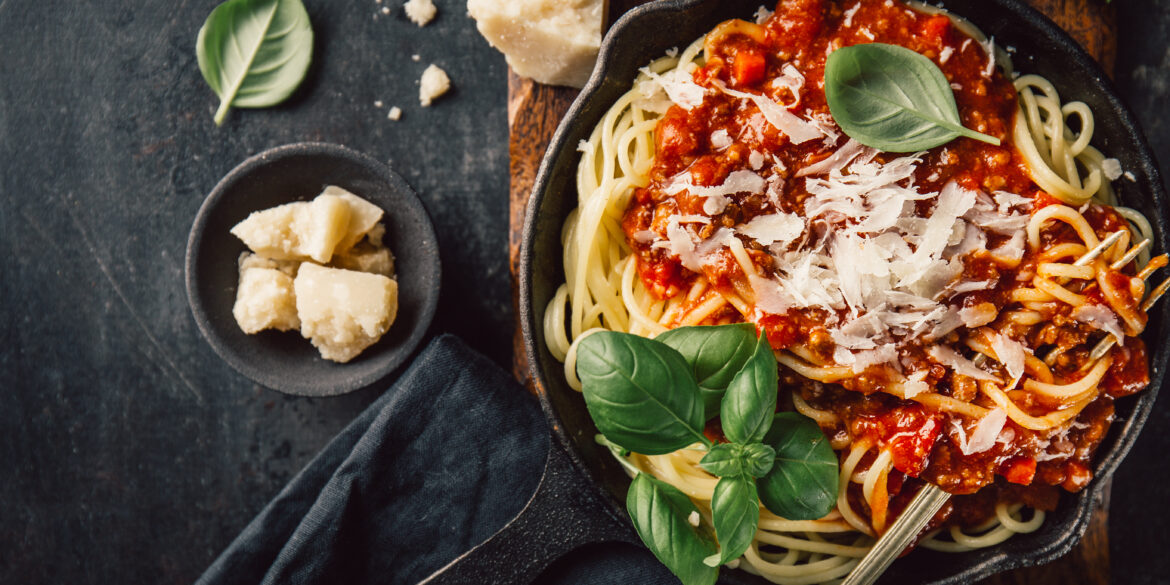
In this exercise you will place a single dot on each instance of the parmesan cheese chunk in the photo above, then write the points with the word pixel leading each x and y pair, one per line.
pixel 264 298
pixel 363 216
pixel 434 83
pixel 297 231
pixel 341 311
pixel 420 12
pixel 551 41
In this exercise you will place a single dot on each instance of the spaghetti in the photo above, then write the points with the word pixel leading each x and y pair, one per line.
pixel 935 313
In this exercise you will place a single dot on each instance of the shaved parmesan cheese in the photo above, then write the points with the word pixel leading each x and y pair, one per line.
pixel 983 437
pixel 861 361
pixel 915 384
pixel 773 228
pixel 979 315
pixel 742 181
pixel 848 22
pixel 794 127
pixel 679 87
pixel 839 159
pixel 792 79
pixel 770 296
pixel 1102 318
pixel 961 365
pixel 1011 353
pixel 762 14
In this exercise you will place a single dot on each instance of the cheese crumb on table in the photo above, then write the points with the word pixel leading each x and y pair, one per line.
pixel 420 11
pixel 433 84
pixel 552 41
pixel 395 113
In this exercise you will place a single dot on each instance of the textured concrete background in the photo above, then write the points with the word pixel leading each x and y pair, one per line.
pixel 129 452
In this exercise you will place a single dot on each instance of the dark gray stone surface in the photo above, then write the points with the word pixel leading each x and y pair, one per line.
pixel 130 452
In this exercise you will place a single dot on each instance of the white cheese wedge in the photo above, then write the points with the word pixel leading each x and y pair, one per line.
pixel 264 297
pixel 297 231
pixel 342 312
pixel 551 41
pixel 363 216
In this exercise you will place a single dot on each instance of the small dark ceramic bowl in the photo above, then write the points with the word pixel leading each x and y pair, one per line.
pixel 645 34
pixel 283 360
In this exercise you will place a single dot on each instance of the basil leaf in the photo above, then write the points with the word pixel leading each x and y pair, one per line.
pixel 723 460
pixel 735 512
pixel 715 353
pixel 750 401
pixel 254 53
pixel 802 485
pixel 758 459
pixel 893 99
pixel 640 393
pixel 661 514
pixel 733 459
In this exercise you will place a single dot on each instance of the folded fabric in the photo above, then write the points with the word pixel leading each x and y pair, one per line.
pixel 436 465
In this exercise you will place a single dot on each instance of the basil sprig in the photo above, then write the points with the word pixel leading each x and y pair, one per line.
pixel 654 397
pixel 254 53
pixel 893 99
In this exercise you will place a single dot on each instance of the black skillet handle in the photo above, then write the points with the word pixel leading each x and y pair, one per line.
pixel 565 512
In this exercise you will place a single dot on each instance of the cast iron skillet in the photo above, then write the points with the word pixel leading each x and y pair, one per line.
pixel 581 497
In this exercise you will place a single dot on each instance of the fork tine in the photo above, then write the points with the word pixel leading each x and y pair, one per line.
pixel 1099 248
pixel 1155 295
pixel 1131 254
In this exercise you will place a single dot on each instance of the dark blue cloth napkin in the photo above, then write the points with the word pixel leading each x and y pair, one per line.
pixel 437 464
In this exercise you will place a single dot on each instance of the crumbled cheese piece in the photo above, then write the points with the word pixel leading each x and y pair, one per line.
pixel 762 14
pixel 342 311
pixel 434 83
pixel 693 519
pixel 978 315
pixel 300 230
pixel 945 54
pixel 416 58
pixel 848 22
pixel 1112 169
pixel 1130 176
pixel 378 103
pixel 395 113
pixel 756 160
pixel 720 139
pixel 264 297
pixel 420 12
pixel 551 41
pixel 385 10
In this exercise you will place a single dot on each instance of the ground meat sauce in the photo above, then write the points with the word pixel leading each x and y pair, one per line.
pixel 1026 467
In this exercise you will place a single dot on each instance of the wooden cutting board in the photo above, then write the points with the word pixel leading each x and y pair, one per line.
pixel 534 110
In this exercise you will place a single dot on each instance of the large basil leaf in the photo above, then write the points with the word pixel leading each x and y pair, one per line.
pixel 254 53
pixel 735 512
pixel 750 401
pixel 715 353
pixel 893 99
pixel 661 516
pixel 803 483
pixel 640 393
